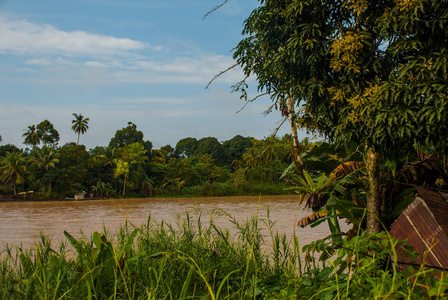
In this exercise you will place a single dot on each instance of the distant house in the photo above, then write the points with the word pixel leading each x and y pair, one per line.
pixel 425 224
pixel 80 196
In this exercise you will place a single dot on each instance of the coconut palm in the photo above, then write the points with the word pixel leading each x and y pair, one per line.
pixel 80 124
pixel 46 158
pixel 13 168
pixel 31 136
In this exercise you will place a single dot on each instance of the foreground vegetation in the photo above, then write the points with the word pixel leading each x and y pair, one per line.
pixel 196 260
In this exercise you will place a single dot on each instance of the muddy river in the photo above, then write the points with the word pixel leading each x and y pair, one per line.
pixel 22 222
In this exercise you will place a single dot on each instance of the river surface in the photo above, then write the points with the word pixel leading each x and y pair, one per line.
pixel 22 222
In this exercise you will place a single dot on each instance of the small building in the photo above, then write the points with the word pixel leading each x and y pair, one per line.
pixel 80 196
pixel 425 224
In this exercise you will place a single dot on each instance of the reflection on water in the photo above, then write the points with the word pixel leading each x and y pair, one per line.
pixel 21 222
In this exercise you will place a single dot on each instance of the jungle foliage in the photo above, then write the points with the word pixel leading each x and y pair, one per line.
pixel 130 167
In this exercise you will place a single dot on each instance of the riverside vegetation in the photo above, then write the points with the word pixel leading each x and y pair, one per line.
pixel 130 167
pixel 196 260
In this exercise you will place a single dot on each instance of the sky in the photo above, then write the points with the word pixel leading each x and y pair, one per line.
pixel 115 61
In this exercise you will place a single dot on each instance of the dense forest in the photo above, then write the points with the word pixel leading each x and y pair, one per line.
pixel 130 167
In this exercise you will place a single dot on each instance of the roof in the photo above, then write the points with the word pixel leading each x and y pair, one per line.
pixel 425 224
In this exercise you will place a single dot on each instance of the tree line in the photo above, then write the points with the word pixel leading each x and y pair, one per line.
pixel 130 167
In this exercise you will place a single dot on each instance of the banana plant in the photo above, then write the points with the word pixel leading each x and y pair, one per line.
pixel 101 266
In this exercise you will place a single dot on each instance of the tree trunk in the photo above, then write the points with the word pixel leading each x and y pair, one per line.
pixel 124 186
pixel 49 182
pixel 297 158
pixel 373 195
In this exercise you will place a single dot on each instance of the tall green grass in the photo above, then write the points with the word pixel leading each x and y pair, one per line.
pixel 193 258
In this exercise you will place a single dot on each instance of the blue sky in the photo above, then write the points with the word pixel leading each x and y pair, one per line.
pixel 117 61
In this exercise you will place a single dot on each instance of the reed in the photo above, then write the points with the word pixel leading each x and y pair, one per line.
pixel 196 259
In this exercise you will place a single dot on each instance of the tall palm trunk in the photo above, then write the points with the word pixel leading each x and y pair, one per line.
pixel 124 186
pixel 49 182
pixel 297 158
pixel 373 195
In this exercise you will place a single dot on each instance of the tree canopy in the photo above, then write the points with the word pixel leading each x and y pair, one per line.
pixel 365 71
pixel 47 133
pixel 31 136
pixel 126 135
pixel 372 73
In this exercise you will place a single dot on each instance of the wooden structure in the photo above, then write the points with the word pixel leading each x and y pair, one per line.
pixel 80 196
pixel 425 224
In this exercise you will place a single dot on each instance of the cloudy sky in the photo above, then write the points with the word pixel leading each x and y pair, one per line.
pixel 116 61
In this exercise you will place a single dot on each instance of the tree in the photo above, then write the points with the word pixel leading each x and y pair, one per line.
pixel 122 170
pixel 210 145
pixel 368 72
pixel 13 168
pixel 132 157
pixel 8 148
pixel 186 147
pixel 126 135
pixel 46 158
pixel 72 171
pixel 168 151
pixel 80 125
pixel 235 147
pixel 31 136
pixel 47 134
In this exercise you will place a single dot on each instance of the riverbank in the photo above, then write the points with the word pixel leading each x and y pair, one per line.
pixel 267 190
pixel 194 259
pixel 29 197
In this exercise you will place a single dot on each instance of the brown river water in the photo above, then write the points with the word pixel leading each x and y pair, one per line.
pixel 22 222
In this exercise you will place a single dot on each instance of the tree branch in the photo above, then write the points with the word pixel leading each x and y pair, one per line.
pixel 214 8
pixel 252 100
pixel 220 73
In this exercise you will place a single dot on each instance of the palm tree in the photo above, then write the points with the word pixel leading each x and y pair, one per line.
pixel 46 158
pixel 13 168
pixel 31 136
pixel 80 124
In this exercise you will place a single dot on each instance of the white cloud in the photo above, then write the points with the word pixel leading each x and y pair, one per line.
pixel 76 57
pixel 162 120
pixel 37 61
pixel 183 70
pixel 193 70
pixel 95 64
pixel 25 38
pixel 149 100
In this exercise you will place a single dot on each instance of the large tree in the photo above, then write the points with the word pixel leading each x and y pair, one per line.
pixel 13 168
pixel 72 171
pixel 80 125
pixel 126 136
pixel 210 145
pixel 186 147
pixel 130 163
pixel 31 136
pixel 235 147
pixel 47 133
pixel 370 72
pixel 46 158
